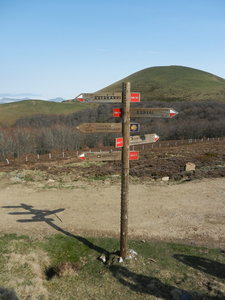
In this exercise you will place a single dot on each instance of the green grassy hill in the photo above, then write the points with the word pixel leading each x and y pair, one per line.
pixel 156 83
pixel 10 112
pixel 174 82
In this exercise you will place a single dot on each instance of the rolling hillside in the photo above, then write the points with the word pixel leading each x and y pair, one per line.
pixel 10 112
pixel 174 83
pixel 156 83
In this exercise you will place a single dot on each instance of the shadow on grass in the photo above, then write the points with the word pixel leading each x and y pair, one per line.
pixel 8 294
pixel 203 264
pixel 152 286
pixel 39 215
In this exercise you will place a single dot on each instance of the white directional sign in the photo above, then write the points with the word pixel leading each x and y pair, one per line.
pixel 100 127
pixel 138 140
pixel 115 97
pixel 106 127
pixel 107 156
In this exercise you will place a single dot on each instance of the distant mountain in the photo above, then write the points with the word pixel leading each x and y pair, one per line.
pixel 173 83
pixel 9 100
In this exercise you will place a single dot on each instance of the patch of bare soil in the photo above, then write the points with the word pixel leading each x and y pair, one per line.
pixel 42 197
pixel 192 212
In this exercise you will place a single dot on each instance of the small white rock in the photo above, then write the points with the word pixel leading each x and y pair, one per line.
pixel 120 260
pixel 165 179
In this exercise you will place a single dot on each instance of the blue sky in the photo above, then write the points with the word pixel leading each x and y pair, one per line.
pixel 60 48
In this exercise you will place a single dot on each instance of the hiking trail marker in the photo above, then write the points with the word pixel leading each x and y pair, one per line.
pixel 106 127
pixel 147 112
pixel 115 97
pixel 107 156
pixel 126 97
pixel 138 140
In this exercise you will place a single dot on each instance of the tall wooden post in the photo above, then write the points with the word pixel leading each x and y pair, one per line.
pixel 125 170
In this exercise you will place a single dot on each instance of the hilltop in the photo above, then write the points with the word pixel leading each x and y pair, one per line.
pixel 173 83
pixel 167 83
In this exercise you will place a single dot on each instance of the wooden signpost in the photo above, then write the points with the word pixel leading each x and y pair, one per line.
pixel 126 97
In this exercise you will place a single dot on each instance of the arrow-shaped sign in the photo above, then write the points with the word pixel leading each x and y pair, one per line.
pixel 107 156
pixel 147 112
pixel 106 127
pixel 100 127
pixel 153 112
pixel 115 97
pixel 138 140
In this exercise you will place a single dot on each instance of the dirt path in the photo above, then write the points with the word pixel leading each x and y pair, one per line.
pixel 190 212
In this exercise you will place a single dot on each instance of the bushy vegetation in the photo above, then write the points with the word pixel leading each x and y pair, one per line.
pixel 44 133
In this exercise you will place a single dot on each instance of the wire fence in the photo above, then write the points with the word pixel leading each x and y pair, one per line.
pixel 67 155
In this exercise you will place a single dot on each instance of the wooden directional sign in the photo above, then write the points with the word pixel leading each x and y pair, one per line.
pixel 106 127
pixel 107 156
pixel 147 112
pixel 152 112
pixel 138 140
pixel 100 127
pixel 115 97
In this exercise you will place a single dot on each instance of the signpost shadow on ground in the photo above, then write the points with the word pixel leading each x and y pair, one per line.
pixel 40 215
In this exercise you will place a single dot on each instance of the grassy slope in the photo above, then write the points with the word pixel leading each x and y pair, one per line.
pixel 10 112
pixel 63 267
pixel 157 83
pixel 174 82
